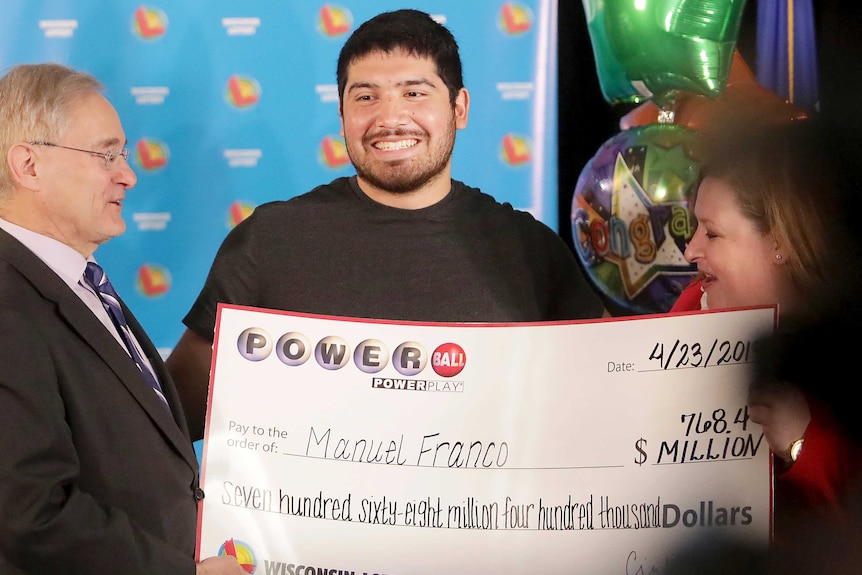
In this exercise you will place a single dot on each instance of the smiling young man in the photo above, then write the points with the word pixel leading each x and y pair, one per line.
pixel 97 470
pixel 399 120
pixel 401 240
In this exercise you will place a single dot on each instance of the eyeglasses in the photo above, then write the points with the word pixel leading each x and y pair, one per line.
pixel 110 156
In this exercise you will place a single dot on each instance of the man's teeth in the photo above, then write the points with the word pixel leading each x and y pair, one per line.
pixel 399 145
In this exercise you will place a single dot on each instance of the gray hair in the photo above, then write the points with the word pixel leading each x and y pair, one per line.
pixel 34 105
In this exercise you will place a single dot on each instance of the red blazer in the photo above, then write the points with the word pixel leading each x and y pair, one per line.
pixel 830 462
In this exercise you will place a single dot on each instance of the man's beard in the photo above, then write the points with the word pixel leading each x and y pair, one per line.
pixel 407 175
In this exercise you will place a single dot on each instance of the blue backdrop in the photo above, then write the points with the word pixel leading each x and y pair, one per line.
pixel 229 104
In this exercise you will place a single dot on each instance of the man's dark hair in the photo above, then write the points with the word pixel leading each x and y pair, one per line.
pixel 412 31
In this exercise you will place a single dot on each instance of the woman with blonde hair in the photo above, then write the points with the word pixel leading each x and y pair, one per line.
pixel 772 211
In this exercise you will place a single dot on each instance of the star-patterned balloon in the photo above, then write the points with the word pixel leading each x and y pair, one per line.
pixel 630 217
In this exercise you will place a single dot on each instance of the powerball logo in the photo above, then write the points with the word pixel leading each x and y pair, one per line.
pixel 410 359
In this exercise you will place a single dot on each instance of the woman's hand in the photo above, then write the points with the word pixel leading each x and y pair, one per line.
pixel 782 411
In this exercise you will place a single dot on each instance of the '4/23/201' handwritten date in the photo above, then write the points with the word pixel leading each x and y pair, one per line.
pixel 681 355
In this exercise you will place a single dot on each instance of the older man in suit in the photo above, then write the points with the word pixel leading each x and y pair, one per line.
pixel 97 471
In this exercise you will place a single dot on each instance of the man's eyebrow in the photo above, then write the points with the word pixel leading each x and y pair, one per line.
pixel 419 82
pixel 412 82
pixel 108 142
pixel 361 85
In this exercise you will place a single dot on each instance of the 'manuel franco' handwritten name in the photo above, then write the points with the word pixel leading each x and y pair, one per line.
pixel 430 451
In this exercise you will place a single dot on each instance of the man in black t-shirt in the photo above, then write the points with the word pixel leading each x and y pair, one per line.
pixel 401 240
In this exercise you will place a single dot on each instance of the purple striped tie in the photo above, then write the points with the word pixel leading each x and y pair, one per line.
pixel 98 280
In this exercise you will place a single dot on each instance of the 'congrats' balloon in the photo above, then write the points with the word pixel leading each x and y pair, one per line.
pixel 630 218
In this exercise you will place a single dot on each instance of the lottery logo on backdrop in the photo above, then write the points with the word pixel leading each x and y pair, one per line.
pixel 515 18
pixel 242 552
pixel 151 155
pixel 333 152
pixel 149 23
pixel 242 91
pixel 334 21
pixel 153 280
pixel 515 150
pixel 237 212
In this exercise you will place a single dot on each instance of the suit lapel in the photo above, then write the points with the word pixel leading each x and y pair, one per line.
pixel 168 387
pixel 81 320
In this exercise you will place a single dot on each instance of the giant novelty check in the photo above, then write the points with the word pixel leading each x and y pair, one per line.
pixel 336 445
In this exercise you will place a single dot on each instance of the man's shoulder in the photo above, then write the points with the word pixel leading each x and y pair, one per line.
pixel 479 199
pixel 486 205
pixel 29 288
pixel 22 269
pixel 335 192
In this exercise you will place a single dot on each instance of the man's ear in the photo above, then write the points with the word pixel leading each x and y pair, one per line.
pixel 341 117
pixel 21 160
pixel 462 108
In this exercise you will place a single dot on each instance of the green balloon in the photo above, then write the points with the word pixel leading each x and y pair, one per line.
pixel 655 49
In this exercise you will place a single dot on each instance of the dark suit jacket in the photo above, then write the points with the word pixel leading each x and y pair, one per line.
pixel 96 475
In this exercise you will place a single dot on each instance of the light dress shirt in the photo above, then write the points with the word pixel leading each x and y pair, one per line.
pixel 69 265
